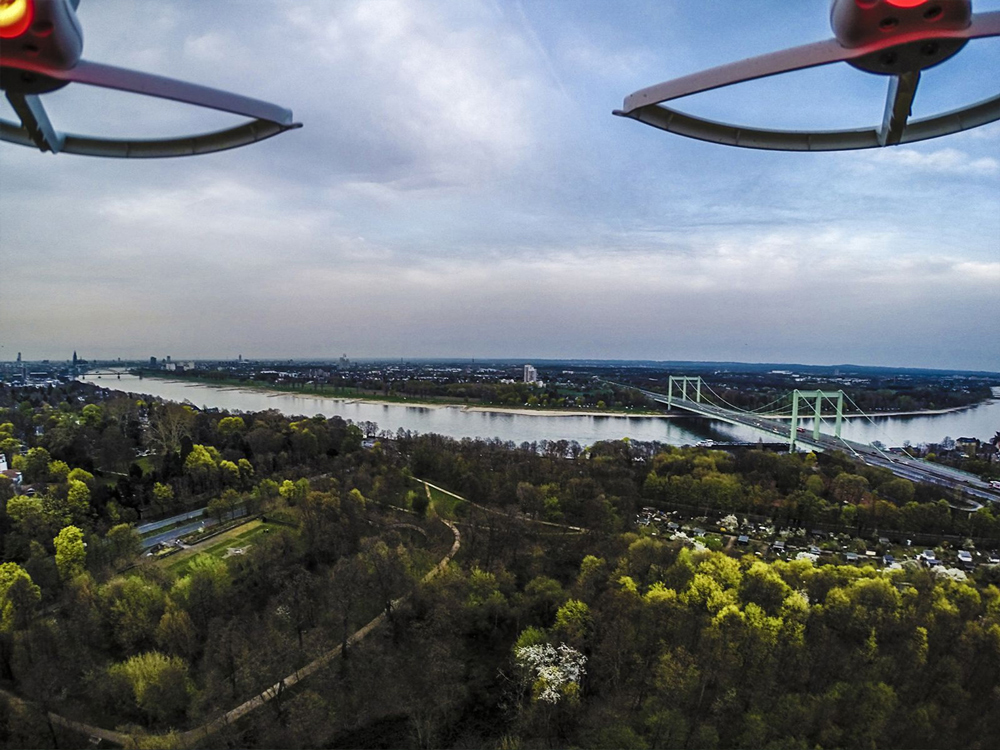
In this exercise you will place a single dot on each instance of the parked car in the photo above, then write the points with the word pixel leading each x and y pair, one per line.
pixel 964 558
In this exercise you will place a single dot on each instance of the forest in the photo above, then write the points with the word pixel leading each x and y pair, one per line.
pixel 426 592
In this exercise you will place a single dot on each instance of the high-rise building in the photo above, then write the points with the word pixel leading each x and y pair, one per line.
pixel 152 362
pixel 530 374
pixel 19 356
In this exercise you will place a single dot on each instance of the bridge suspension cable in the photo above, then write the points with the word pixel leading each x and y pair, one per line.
pixel 731 406
pixel 759 409
pixel 877 426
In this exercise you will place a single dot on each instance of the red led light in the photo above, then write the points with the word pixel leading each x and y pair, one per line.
pixel 905 3
pixel 15 17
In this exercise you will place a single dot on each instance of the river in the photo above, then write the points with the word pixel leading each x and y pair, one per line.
pixel 981 421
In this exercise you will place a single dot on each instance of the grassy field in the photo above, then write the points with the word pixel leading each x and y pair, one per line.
pixel 443 504
pixel 241 536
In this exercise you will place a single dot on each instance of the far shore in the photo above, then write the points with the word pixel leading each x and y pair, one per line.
pixel 528 412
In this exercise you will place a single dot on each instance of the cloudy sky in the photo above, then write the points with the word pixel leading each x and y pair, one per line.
pixel 460 188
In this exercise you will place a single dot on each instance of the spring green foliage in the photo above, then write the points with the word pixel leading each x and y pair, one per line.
pixel 18 597
pixel 71 552
pixel 159 684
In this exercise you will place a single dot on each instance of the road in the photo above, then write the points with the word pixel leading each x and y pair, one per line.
pixel 145 528
pixel 168 536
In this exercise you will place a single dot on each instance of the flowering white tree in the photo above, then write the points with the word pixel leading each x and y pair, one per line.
pixel 555 672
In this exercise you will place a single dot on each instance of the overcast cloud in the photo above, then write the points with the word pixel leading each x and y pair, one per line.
pixel 460 188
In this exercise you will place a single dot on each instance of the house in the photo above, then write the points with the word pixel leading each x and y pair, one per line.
pixel 14 476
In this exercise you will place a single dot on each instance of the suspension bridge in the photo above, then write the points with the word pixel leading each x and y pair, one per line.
pixel 784 416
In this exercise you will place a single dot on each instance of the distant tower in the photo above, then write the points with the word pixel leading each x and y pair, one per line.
pixel 530 374
pixel 74 359
pixel 241 358
pixel 19 356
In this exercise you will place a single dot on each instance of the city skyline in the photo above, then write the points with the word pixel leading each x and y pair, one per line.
pixel 460 189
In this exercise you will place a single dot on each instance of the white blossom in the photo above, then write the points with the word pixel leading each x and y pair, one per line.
pixel 553 668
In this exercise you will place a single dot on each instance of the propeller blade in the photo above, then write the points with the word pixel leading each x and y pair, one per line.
pixel 795 58
pixel 898 107
pixel 134 81
pixel 983 25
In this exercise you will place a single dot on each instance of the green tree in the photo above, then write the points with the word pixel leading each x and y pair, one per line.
pixel 163 495
pixel 573 621
pixel 229 473
pixel 77 501
pixel 36 465
pixel 231 426
pixel 849 488
pixel 122 545
pixel 132 607
pixel 92 415
pixel 160 684
pixel 199 464
pixel 80 475
pixel 71 552
pixel 18 597
pixel 58 471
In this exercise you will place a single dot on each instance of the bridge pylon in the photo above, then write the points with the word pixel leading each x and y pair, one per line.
pixel 682 381
pixel 806 396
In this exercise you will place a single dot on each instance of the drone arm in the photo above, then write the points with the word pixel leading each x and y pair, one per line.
pixel 36 124
pixel 796 58
pixel 122 79
pixel 898 106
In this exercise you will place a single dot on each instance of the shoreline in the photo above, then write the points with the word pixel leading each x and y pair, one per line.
pixel 527 412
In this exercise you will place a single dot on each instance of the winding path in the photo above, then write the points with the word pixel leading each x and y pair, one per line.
pixel 198 736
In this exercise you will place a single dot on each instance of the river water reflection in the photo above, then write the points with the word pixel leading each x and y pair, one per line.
pixel 981 421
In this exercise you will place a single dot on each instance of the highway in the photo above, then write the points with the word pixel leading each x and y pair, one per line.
pixel 154 525
pixel 902 466
pixel 172 534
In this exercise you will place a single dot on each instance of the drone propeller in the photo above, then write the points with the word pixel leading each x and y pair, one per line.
pixel 46 58
pixel 902 56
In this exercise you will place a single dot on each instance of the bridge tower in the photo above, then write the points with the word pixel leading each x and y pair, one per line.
pixel 682 381
pixel 798 395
